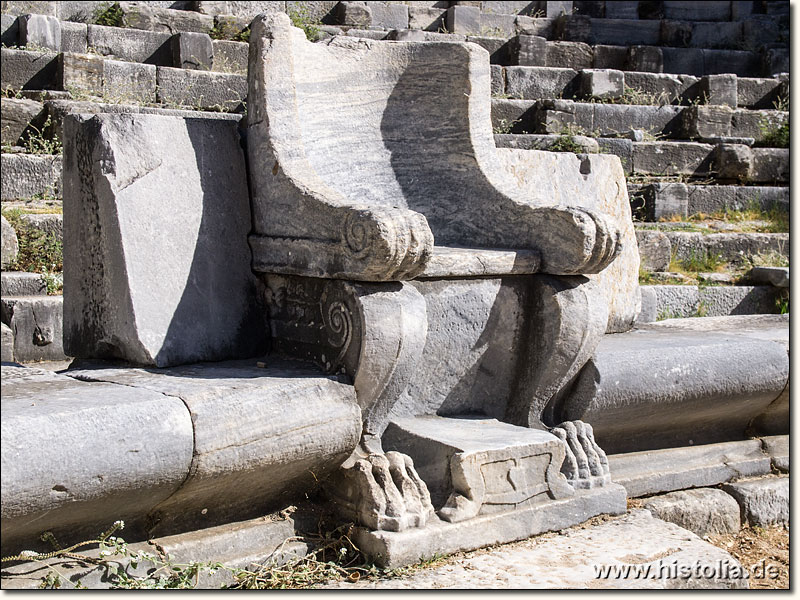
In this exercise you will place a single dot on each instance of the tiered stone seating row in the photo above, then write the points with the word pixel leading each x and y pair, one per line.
pixel 676 92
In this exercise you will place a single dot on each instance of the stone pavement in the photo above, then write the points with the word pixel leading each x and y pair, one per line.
pixel 653 553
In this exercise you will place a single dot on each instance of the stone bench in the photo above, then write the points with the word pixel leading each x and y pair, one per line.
pixel 163 449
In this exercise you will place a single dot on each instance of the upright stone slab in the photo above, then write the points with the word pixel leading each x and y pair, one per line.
pixel 10 243
pixel 156 216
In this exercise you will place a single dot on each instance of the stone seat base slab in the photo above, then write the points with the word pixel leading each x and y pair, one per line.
pixel 656 471
pixel 395 549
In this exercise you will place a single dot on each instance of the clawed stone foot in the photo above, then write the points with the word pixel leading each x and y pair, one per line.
pixel 384 492
pixel 585 464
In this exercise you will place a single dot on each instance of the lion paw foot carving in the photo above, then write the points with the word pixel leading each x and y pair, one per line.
pixel 384 492
pixel 585 464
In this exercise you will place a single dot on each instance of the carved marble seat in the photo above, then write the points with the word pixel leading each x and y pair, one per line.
pixel 367 157
pixel 447 277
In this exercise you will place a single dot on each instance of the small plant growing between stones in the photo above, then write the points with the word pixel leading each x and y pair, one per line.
pixel 698 261
pixel 301 17
pixel 566 143
pixel 505 126
pixel 334 558
pixel 35 141
pixel 109 14
pixel 39 251
pixel 782 302
pixel 774 135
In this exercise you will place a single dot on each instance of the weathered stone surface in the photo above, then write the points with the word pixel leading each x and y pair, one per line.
pixel 720 89
pixel 655 250
pixel 50 224
pixel 205 303
pixel 29 70
pixel 9 30
pixel 74 37
pixel 657 471
pixel 533 83
pixel 394 549
pixel 428 19
pixel 662 86
pixel 770 165
pixel 671 158
pixel 579 144
pixel 464 262
pixel 480 466
pixel 129 82
pixel 36 322
pixel 763 501
pixel 49 483
pixel 665 200
pixel 40 31
pixel 154 18
pixel 602 83
pixel 529 50
pixel 202 90
pixel 149 47
pixel 18 115
pixel 7 343
pixel 573 55
pixel 238 8
pixel 600 188
pixel 571 560
pixel 702 122
pixel 646 58
pixel 610 57
pixel 702 511
pixel 354 14
pixel 778 448
pixel 364 248
pixel 656 387
pixel 230 57
pixel 299 427
pixel 10 244
pixel 729 247
pixel 192 50
pixel 21 284
pixel 81 72
pixel 237 545
pixel 681 301
pixel 390 15
pixel 30 175
pixel 714 198
pixel 758 92
pixel 777 276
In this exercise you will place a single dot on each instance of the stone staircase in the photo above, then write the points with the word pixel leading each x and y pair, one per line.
pixel 692 98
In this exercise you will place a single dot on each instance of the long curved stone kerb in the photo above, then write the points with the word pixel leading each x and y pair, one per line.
pixel 362 152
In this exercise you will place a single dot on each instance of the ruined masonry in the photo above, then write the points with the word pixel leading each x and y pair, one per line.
pixel 413 265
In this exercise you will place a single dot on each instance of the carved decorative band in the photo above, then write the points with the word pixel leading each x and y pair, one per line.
pixel 356 233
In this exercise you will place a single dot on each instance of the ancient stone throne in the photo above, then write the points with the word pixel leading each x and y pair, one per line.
pixel 460 286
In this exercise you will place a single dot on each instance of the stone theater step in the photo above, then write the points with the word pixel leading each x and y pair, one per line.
pixel 645 473
pixel 763 501
pixel 682 301
pixel 690 199
pixel 174 445
pixel 642 551
pixel 725 163
pixel 37 324
pixel 682 382
pixel 672 122
pixel 702 511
